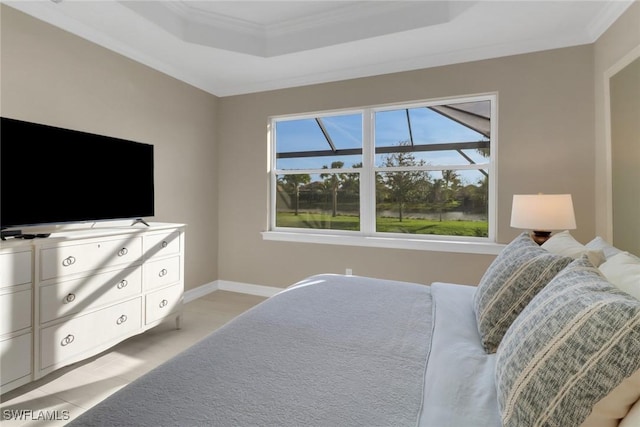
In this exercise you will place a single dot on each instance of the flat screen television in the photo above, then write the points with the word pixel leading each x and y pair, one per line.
pixel 50 175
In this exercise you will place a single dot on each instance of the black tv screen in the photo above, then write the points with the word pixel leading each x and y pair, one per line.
pixel 50 175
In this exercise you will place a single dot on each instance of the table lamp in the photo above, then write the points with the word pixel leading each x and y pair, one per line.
pixel 542 213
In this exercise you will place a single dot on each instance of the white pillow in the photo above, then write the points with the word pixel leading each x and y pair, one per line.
pixel 599 243
pixel 614 406
pixel 633 417
pixel 623 270
pixel 565 244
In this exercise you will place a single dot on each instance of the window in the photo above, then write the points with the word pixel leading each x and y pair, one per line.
pixel 419 170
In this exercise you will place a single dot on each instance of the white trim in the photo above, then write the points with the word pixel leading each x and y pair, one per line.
pixel 457 246
pixel 368 177
pixel 200 291
pixel 493 171
pixel 431 167
pixel 367 236
pixel 318 114
pixel 227 285
pixel 605 19
pixel 612 71
pixel 248 288
pixel 316 171
pixel 271 167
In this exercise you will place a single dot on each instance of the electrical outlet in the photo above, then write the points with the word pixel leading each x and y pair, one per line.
pixel 349 272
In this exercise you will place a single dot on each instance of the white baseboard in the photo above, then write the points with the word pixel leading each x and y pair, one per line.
pixel 227 285
pixel 200 291
pixel 247 288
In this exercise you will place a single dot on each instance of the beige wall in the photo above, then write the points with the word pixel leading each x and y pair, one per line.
pixel 211 154
pixel 545 144
pixel 625 156
pixel 50 76
pixel 618 41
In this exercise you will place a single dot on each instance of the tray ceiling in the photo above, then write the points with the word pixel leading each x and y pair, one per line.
pixel 236 47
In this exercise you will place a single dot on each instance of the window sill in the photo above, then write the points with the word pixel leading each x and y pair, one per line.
pixel 469 247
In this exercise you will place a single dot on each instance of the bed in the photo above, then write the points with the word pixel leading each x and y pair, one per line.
pixel 545 339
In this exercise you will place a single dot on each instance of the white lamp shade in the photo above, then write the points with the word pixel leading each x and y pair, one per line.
pixel 543 212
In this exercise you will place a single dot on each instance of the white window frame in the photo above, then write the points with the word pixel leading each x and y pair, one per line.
pixel 367 236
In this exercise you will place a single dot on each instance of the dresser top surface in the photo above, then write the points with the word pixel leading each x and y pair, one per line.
pixel 12 244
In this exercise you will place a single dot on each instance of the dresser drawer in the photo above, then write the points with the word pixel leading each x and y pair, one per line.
pixel 15 311
pixel 65 341
pixel 73 296
pixel 162 244
pixel 15 268
pixel 162 272
pixel 163 302
pixel 66 260
pixel 16 358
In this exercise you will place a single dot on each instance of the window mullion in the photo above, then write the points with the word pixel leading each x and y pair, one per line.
pixel 273 175
pixel 367 178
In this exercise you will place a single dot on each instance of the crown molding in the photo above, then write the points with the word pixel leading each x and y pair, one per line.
pixel 336 26
pixel 611 11
pixel 174 45
pixel 217 20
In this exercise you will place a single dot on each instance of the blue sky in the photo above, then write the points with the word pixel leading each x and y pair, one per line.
pixel 428 127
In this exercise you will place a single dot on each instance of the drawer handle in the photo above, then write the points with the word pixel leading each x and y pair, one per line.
pixel 165 243
pixel 123 252
pixel 70 260
pixel 69 298
pixel 163 272
pixel 121 319
pixel 67 340
pixel 122 284
pixel 163 303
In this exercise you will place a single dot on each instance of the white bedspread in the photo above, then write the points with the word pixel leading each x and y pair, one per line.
pixel 459 384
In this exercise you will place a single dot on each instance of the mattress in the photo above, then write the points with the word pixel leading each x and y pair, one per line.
pixel 330 350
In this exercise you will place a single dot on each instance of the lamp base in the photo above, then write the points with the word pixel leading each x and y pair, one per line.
pixel 540 236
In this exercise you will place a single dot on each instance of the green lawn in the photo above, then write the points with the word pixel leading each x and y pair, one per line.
pixel 389 225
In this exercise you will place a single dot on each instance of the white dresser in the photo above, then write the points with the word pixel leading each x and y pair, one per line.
pixel 84 291
pixel 16 319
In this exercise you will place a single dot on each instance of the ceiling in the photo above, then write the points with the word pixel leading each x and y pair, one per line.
pixel 237 47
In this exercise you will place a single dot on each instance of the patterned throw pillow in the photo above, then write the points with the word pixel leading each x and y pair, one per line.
pixel 575 342
pixel 516 275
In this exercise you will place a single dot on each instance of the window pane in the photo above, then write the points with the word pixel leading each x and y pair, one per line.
pixel 453 134
pixel 453 203
pixel 319 201
pixel 345 131
pixel 429 163
pixel 299 135
pixel 392 157
pixel 391 128
pixel 315 142
pixel 323 162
